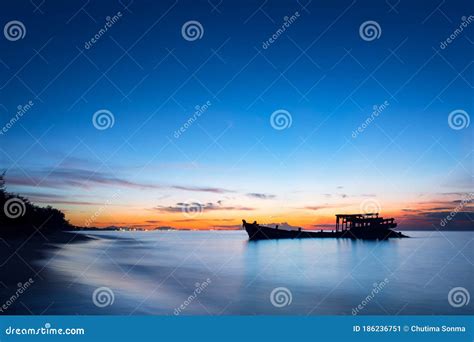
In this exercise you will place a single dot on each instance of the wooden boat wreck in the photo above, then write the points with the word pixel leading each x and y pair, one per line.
pixel 353 226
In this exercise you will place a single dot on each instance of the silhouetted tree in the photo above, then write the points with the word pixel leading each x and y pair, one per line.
pixel 21 217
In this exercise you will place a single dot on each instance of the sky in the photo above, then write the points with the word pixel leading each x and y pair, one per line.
pixel 198 114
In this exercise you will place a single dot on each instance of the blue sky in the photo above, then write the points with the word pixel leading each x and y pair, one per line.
pixel 319 70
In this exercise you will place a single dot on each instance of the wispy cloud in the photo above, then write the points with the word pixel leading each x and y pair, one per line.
pixel 315 208
pixel 69 202
pixel 344 195
pixel 202 189
pixel 261 195
pixel 325 206
pixel 429 215
pixel 462 220
pixel 65 177
pixel 408 210
pixel 87 179
pixel 183 207
pixel 52 198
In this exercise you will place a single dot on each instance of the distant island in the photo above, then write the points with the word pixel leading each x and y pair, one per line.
pixel 131 229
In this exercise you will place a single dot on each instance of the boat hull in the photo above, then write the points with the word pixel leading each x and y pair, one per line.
pixel 258 232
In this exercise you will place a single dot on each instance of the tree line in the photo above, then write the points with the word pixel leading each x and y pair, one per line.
pixel 20 217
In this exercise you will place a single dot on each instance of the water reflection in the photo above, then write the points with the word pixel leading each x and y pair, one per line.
pixel 156 272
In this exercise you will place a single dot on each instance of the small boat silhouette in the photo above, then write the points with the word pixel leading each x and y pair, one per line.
pixel 353 226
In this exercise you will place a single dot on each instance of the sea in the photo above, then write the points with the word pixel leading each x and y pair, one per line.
pixel 223 273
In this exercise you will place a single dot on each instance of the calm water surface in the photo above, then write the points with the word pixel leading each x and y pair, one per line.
pixel 157 272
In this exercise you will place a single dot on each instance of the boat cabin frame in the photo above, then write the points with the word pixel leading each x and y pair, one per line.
pixel 362 221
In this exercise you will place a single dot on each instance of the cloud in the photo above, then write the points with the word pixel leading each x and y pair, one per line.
pixel 462 215
pixel 438 209
pixel 261 195
pixel 460 194
pixel 315 208
pixel 41 195
pixel 86 179
pixel 447 215
pixel 344 195
pixel 325 206
pixel 448 220
pixel 196 206
pixel 51 198
pixel 407 210
pixel 66 202
pixel 202 189
pixel 67 177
